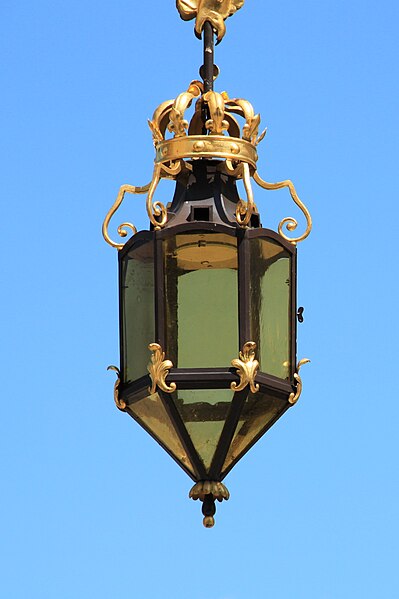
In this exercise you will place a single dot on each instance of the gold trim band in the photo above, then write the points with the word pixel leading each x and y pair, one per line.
pixel 206 146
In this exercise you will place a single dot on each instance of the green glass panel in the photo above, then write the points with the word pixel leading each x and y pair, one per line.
pixel 204 413
pixel 258 412
pixel 151 414
pixel 138 326
pixel 271 306
pixel 201 300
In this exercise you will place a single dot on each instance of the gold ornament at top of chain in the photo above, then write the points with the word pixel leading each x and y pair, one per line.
pixel 214 11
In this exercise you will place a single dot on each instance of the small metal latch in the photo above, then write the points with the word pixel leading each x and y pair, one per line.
pixel 300 314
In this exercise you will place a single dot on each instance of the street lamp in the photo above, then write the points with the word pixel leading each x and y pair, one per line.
pixel 207 296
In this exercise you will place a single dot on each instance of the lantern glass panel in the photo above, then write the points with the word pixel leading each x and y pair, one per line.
pixel 138 320
pixel 270 293
pixel 201 299
pixel 204 412
pixel 259 413
pixel 152 415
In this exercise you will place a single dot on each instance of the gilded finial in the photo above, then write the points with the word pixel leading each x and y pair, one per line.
pixel 214 11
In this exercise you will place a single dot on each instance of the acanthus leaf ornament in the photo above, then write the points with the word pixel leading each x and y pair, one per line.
pixel 120 404
pixel 247 368
pixel 293 398
pixel 203 488
pixel 159 370
pixel 208 492
pixel 214 11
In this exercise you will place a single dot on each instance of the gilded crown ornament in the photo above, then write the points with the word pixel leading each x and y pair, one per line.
pixel 178 140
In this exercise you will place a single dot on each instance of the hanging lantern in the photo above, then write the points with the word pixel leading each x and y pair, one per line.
pixel 208 315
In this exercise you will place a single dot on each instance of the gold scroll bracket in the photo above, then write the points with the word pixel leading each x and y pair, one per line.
pixel 290 222
pixel 245 209
pixel 293 398
pixel 122 228
pixel 214 11
pixel 157 213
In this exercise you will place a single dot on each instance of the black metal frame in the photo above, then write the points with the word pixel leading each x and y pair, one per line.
pixel 209 378
pixel 267 233
pixel 138 239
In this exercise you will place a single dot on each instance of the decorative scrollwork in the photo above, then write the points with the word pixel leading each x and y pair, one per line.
pixel 230 168
pixel 293 398
pixel 247 368
pixel 215 11
pixel 245 210
pixel 156 211
pixel 172 169
pixel 121 229
pixel 159 370
pixel 120 404
pixel 290 222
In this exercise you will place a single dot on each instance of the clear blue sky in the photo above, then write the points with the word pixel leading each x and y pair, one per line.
pixel 91 507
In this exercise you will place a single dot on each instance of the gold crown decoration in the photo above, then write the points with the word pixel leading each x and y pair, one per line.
pixel 170 116
pixel 213 133
pixel 224 140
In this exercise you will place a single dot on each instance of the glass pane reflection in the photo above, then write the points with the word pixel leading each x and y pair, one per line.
pixel 138 316
pixel 152 415
pixel 201 299
pixel 259 411
pixel 204 412
pixel 271 305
